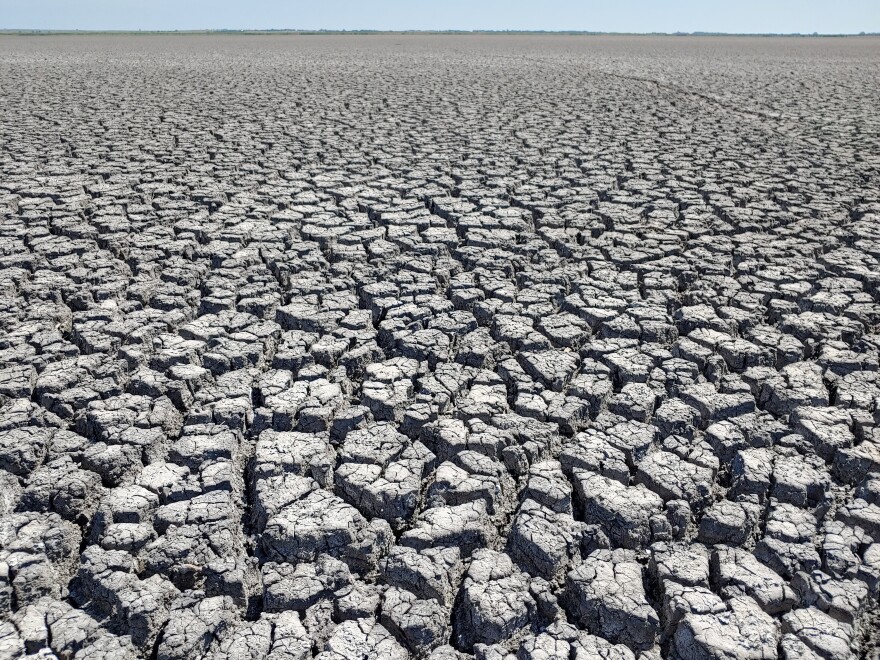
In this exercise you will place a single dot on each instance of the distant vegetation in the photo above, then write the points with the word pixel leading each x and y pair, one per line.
pixel 404 32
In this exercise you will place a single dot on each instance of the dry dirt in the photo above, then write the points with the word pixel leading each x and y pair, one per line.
pixel 396 346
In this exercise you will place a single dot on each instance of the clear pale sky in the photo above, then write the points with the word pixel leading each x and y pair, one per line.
pixel 785 16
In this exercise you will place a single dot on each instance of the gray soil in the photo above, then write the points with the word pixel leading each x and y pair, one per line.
pixel 446 347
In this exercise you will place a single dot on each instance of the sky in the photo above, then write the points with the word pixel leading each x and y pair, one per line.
pixel 735 16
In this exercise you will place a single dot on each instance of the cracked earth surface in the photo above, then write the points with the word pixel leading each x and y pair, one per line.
pixel 506 348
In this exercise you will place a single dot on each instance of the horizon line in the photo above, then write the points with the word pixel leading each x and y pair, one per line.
pixel 308 32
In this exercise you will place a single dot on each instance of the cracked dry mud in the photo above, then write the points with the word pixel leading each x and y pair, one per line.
pixel 506 348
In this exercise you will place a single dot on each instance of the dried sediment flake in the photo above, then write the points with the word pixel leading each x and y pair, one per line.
pixel 439 347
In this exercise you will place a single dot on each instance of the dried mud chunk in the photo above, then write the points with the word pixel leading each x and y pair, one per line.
pixel 799 481
pixel 544 542
pixel 605 594
pixel 238 578
pixel 27 578
pixel 39 551
pixel 362 638
pixel 792 648
pixel 389 491
pixel 495 601
pixel 280 409
pixel 593 387
pixel 679 563
pixel 680 600
pixel 22 450
pixel 580 643
pixel 108 647
pixel 564 330
pixel 431 345
pixel 293 351
pixel 320 523
pixel 548 486
pixel 67 443
pixel 130 537
pixel 544 646
pixel 827 429
pixel 478 348
pixel 840 360
pixel 854 464
pixel 164 479
pixel 813 327
pixel 272 494
pixel 624 512
pixel 675 417
pixel 860 513
pixel 181 552
pixel 228 402
pixel 468 477
pixel 203 443
pixel 869 572
pixel 421 625
pixel 131 504
pixel 62 487
pixel 108 420
pixel 732 523
pixel 742 631
pixel 680 517
pixel 389 488
pixel 786 348
pixel 387 401
pixel 249 639
pixel 446 437
pixel 388 387
pixel 627 365
pixel 788 545
pixel 17 381
pixel 118 465
pixel 431 573
pixel 633 438
pixel 301 316
pixel 844 600
pixel 378 443
pixel 466 526
pixel 304 454
pixel 858 390
pixel 726 438
pixel 348 420
pixel 840 547
pixel 361 601
pixel 714 405
pixel 288 587
pixel 486 398
pixel 140 607
pixel 823 634
pixel 195 626
pixel 635 401
pixel 318 621
pixel 740 572
pixel 869 490
pixel 17 413
pixel 290 640
pixel 672 478
pixel 31 624
pixel 751 471
pixel 593 452
pixel 211 507
pixel 741 354
pixel 554 368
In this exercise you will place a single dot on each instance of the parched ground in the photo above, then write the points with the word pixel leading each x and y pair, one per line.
pixel 439 347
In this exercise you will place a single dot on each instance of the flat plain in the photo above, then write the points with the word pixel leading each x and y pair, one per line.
pixel 506 347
